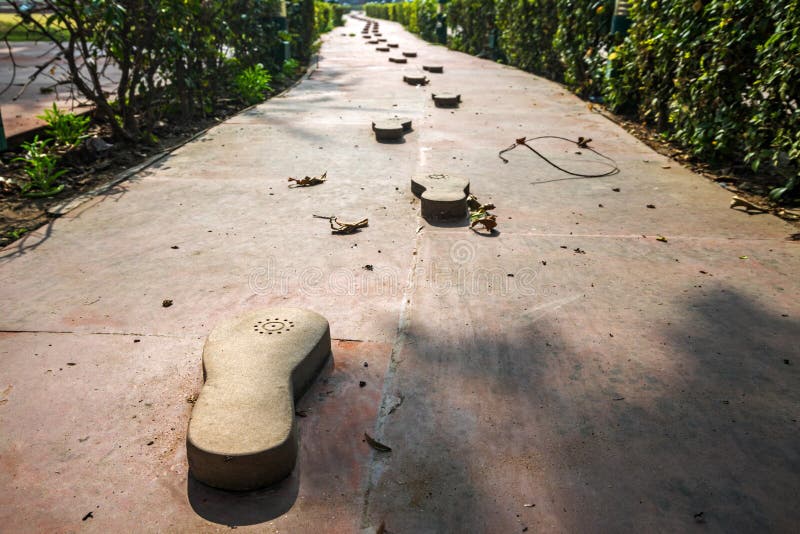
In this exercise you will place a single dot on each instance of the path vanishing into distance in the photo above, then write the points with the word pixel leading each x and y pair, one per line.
pixel 570 373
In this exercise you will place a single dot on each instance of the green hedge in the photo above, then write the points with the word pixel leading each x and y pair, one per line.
pixel 719 77
pixel 327 16
pixel 471 22
pixel 559 39
pixel 308 19
pixel 419 16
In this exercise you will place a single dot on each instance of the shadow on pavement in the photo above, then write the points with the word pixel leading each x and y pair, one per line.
pixel 689 421
pixel 234 508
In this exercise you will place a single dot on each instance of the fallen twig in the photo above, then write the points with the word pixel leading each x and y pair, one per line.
pixel 339 227
pixel 582 143
pixel 747 205
pixel 308 180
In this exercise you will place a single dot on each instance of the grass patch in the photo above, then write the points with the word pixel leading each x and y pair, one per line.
pixel 27 32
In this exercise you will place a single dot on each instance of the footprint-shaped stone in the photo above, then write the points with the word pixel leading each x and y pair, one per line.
pixel 442 196
pixel 436 69
pixel 391 129
pixel 446 100
pixel 242 434
pixel 415 79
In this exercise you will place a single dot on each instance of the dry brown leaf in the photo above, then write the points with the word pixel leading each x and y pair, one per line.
pixel 308 180
pixel 377 445
pixel 340 227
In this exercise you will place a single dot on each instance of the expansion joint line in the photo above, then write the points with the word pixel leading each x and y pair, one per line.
pixel 70 332
pixel 377 461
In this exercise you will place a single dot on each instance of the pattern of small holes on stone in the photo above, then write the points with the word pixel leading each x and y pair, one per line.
pixel 273 326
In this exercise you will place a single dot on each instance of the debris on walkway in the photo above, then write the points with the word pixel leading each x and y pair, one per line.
pixel 339 227
pixel 375 444
pixel 479 214
pixel 582 143
pixel 308 181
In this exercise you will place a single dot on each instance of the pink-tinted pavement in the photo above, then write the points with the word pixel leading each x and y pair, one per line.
pixel 569 374
pixel 23 99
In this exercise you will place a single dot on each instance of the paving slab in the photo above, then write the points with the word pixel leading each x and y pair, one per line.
pixel 569 373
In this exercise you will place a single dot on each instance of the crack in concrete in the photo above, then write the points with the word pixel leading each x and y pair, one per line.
pixel 389 401
pixel 133 334
pixel 779 239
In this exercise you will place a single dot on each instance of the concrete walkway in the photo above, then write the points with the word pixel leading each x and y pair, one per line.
pixel 20 111
pixel 570 374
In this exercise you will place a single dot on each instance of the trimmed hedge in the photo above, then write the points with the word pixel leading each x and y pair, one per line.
pixel 419 16
pixel 308 20
pixel 327 16
pixel 559 39
pixel 719 77
pixel 471 23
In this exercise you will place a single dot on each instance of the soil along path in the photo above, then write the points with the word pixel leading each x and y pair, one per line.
pixel 569 373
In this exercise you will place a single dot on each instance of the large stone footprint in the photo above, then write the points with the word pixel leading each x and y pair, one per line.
pixel 242 434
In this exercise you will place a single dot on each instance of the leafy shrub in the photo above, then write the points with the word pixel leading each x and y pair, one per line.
pixel 252 84
pixel 717 77
pixel 66 128
pixel 290 68
pixel 173 55
pixel 471 22
pixel 40 166
pixel 323 18
pixel 338 14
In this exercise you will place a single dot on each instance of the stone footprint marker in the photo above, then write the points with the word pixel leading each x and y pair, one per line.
pixel 242 434
pixel 391 129
pixel 442 196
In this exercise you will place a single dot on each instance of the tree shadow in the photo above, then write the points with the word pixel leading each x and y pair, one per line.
pixel 28 242
pixel 112 190
pixel 691 422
